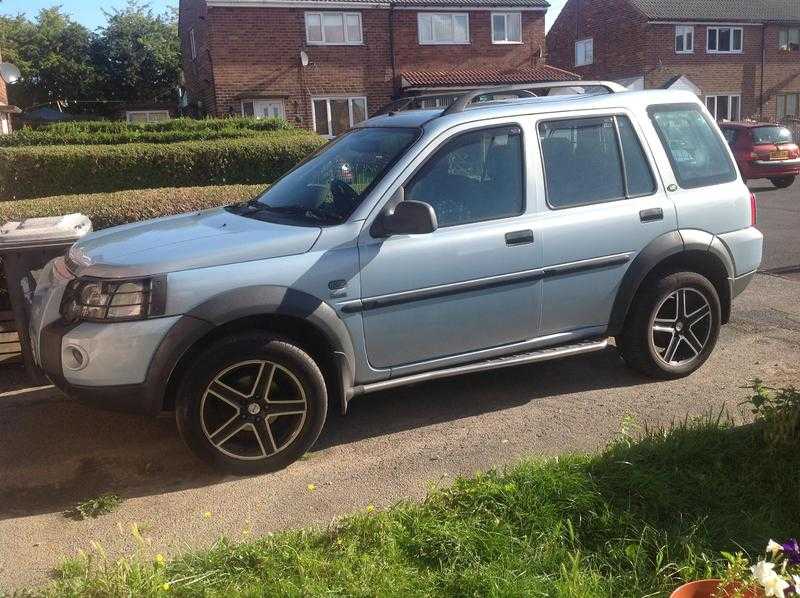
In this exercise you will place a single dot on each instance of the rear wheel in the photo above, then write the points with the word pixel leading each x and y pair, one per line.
pixel 672 327
pixel 782 182
pixel 251 404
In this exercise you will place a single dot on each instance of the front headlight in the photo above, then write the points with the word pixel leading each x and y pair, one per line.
pixel 94 300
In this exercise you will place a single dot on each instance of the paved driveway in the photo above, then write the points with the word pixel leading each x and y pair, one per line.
pixel 54 452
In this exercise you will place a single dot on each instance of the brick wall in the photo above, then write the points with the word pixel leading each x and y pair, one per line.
pixel 713 73
pixel 781 72
pixel 480 52
pixel 615 27
pixel 626 46
pixel 197 72
pixel 256 55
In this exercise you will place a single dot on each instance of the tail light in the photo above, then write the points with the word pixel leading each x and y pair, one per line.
pixel 755 156
pixel 753 210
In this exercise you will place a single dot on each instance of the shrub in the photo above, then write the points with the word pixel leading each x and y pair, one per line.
pixel 170 131
pixel 44 171
pixel 122 207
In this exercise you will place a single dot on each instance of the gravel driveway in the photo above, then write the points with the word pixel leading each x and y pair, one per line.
pixel 54 453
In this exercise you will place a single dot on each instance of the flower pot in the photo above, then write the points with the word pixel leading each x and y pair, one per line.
pixel 705 588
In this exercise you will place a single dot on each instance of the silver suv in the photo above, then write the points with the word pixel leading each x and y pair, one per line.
pixel 421 244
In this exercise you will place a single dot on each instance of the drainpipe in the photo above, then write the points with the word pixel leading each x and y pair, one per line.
pixel 763 62
pixel 391 51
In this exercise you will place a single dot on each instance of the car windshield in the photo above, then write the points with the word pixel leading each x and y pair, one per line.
pixel 327 187
pixel 771 135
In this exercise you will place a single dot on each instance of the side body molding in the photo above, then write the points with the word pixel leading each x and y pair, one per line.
pixel 277 300
pixel 661 248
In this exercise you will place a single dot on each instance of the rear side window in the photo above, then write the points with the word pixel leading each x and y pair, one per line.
pixel 593 160
pixel 697 154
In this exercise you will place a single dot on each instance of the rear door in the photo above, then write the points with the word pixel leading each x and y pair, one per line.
pixel 604 204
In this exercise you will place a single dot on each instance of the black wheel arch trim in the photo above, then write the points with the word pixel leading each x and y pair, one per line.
pixel 663 247
pixel 262 300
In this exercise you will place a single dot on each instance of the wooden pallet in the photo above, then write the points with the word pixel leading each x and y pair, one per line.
pixel 10 349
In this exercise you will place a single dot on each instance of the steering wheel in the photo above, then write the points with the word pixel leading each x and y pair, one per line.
pixel 343 195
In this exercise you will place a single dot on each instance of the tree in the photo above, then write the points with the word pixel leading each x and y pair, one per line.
pixel 52 54
pixel 137 54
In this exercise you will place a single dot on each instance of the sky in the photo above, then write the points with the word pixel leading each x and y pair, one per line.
pixel 90 13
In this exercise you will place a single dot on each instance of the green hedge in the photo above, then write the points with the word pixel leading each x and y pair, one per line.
pixel 122 207
pixel 44 171
pixel 117 132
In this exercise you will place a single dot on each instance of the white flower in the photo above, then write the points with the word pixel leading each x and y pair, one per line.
pixel 774 548
pixel 775 587
pixel 796 580
pixel 763 571
pixel 773 584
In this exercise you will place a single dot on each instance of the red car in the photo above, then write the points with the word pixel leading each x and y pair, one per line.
pixel 764 151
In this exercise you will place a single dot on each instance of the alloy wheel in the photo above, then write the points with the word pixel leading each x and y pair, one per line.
pixel 681 327
pixel 253 410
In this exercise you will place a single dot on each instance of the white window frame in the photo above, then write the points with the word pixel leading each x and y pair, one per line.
pixel 343 15
pixel 727 97
pixel 265 100
pixel 129 113
pixel 580 52
pixel 327 100
pixel 785 97
pixel 505 16
pixel 434 42
pixel 719 28
pixel 193 43
pixel 788 31
pixel 682 31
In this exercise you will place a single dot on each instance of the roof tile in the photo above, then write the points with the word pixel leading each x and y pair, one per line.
pixel 728 10
pixel 485 76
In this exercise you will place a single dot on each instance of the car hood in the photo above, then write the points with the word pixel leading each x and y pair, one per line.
pixel 196 240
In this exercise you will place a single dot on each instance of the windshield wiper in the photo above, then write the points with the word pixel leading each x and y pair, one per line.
pixel 315 213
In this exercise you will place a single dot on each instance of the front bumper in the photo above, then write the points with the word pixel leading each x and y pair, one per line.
pixel 146 396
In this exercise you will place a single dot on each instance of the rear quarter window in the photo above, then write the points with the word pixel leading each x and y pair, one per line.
pixel 696 152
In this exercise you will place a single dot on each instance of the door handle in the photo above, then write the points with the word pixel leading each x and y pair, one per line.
pixel 651 215
pixel 519 237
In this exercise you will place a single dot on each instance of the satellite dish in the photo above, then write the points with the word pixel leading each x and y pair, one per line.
pixel 304 58
pixel 9 72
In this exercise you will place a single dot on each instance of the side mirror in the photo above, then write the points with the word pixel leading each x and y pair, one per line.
pixel 409 218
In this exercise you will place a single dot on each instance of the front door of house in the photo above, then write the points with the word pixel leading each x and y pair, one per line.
pixel 269 109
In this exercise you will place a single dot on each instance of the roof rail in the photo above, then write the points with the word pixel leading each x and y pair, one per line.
pixel 465 100
pixel 403 103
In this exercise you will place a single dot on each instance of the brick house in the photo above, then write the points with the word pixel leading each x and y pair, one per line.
pixel 742 56
pixel 5 109
pixel 326 64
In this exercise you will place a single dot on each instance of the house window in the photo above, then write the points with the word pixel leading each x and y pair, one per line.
pixel 146 116
pixel 788 105
pixel 725 107
pixel 334 116
pixel 506 27
pixel 789 39
pixel 724 40
pixel 443 28
pixel 193 43
pixel 334 28
pixel 584 52
pixel 684 39
pixel 263 109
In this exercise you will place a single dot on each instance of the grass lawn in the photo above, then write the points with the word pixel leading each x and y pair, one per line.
pixel 633 520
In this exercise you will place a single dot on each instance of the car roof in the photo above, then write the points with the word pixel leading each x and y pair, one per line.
pixel 748 125
pixel 438 119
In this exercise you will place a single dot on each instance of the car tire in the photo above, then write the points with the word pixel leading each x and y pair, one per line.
pixel 782 182
pixel 666 336
pixel 251 403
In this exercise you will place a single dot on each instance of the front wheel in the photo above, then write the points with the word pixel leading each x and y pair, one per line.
pixel 782 182
pixel 672 327
pixel 251 403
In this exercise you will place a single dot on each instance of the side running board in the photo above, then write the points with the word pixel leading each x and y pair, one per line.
pixel 489 364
